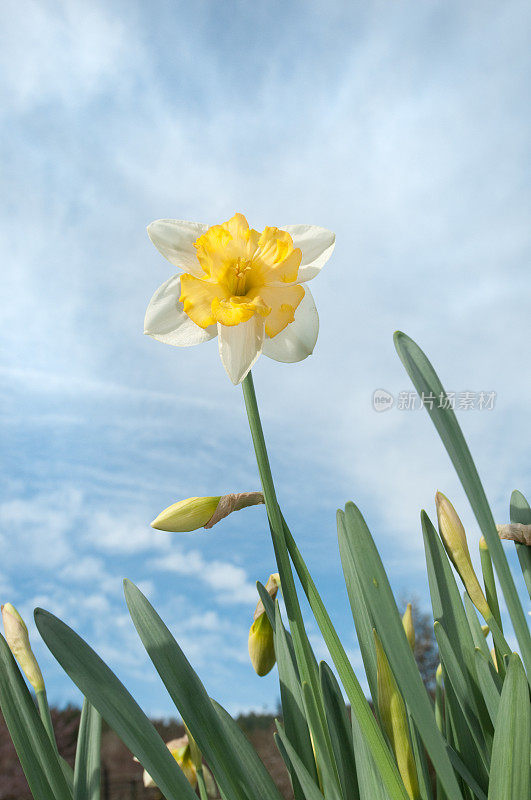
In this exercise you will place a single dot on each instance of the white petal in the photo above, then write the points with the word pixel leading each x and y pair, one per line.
pixel 175 238
pixel 317 245
pixel 166 321
pixel 239 346
pixel 297 340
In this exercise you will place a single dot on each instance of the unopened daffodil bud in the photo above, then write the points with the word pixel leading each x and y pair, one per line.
pixel 454 539
pixel 182 750
pixel 17 638
pixel 394 720
pixel 407 622
pixel 261 640
pixel 486 630
pixel 203 512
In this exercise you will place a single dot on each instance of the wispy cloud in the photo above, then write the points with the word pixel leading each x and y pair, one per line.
pixel 404 129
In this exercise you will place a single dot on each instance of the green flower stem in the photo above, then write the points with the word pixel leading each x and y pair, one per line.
pixel 44 711
pixel 300 640
pixel 492 600
pixel 490 584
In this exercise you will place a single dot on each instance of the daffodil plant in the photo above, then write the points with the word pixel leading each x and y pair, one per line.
pixel 471 740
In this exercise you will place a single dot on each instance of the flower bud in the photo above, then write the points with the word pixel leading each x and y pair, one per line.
pixel 18 640
pixel 454 539
pixel 407 622
pixel 186 515
pixel 394 721
pixel 261 640
pixel 203 512
pixel 183 752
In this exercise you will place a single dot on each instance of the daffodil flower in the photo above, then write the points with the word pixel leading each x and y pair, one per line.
pixel 245 287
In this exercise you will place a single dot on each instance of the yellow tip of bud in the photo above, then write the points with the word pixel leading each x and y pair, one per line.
pixel 261 646
pixel 454 539
pixel 483 544
pixel 407 622
pixel 261 640
pixel 17 638
pixel 186 515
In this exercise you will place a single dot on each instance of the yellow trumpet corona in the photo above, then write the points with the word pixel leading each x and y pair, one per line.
pixel 454 539
pixel 261 640
pixel 394 720
pixel 17 638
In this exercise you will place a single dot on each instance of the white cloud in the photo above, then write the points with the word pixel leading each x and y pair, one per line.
pixel 230 582
pixel 63 53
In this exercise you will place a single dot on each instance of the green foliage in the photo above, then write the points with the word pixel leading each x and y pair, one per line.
pixel 467 736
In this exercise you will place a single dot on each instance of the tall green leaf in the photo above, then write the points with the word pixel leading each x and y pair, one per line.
pixel 379 598
pixel 509 773
pixel 362 620
pixel 290 756
pixel 427 382
pixel 109 696
pixel 214 737
pixel 372 735
pixel 465 698
pixel 34 749
pixel 340 733
pixel 87 768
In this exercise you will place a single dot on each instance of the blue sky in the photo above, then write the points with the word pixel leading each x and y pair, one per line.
pixel 404 127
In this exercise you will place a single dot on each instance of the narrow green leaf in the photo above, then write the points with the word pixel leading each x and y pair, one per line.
pixel 421 762
pixel 480 640
pixel 520 512
pixel 426 381
pixel 34 749
pixel 464 697
pixel 88 755
pixel 109 696
pixel 449 611
pixel 214 739
pixel 372 734
pixel 293 711
pixel 325 759
pixel 469 780
pixel 379 598
pixel 241 747
pixel 340 733
pixel 490 682
pixel 369 780
pixel 362 621
pixel 509 773
pixel 289 755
